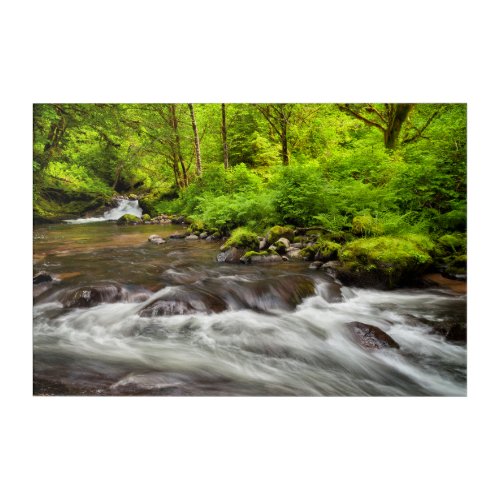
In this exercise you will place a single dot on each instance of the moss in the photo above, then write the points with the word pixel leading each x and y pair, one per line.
pixel 323 250
pixel 391 261
pixel 242 238
pixel 128 219
pixel 277 232
pixel 253 253
pixel 455 242
pixel 146 217
pixel 366 225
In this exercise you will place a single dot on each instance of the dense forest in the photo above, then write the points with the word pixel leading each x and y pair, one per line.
pixel 371 179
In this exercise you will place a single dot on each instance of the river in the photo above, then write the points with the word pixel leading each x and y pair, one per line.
pixel 169 320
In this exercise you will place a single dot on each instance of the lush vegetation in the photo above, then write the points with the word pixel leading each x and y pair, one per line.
pixel 384 171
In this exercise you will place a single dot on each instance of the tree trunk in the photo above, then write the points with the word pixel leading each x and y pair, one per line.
pixel 178 152
pixel 397 118
pixel 224 137
pixel 284 144
pixel 196 141
pixel 119 169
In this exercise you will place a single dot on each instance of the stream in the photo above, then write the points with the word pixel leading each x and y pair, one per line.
pixel 125 317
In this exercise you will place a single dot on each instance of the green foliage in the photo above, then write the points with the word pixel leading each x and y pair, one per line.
pixel 366 225
pixel 242 237
pixel 455 242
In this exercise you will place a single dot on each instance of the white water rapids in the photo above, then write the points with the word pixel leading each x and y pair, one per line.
pixel 306 352
pixel 124 207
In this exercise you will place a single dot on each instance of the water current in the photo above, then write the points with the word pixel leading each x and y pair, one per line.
pixel 125 317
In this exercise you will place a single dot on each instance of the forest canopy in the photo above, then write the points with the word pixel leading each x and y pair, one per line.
pixel 369 169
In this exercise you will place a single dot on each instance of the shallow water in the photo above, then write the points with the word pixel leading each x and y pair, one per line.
pixel 245 329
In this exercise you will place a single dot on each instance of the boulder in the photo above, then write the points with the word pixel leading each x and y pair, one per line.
pixel 192 237
pixel 262 243
pixel 277 232
pixel 183 300
pixel 128 219
pixel 371 337
pixel 41 277
pixel 294 253
pixel 231 256
pixel 384 262
pixel 203 235
pixel 90 296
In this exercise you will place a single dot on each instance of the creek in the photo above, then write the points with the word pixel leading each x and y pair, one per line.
pixel 125 317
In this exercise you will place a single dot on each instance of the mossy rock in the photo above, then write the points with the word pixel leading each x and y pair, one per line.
pixel 242 238
pixel 280 247
pixel 383 262
pixel 322 250
pixel 263 256
pixel 366 225
pixel 277 232
pixel 146 217
pixel 128 219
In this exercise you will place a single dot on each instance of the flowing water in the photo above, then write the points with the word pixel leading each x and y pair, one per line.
pixel 124 207
pixel 126 317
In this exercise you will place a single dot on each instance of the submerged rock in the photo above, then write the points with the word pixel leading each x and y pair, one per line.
pixel 371 337
pixel 156 239
pixel 178 236
pixel 184 300
pixel 41 277
pixel 90 296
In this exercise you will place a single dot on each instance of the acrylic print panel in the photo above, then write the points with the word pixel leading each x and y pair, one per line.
pixel 250 249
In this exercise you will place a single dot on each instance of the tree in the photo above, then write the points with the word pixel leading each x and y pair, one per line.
pixel 224 136
pixel 389 118
pixel 279 117
pixel 196 140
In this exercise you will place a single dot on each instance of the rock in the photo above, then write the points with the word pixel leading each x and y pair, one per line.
pixel 371 337
pixel 384 262
pixel 277 232
pixel 128 219
pixel 231 255
pixel 179 220
pixel 41 277
pixel 177 236
pixel 89 296
pixel 262 243
pixel 146 218
pixel 203 235
pixel 192 237
pixel 315 265
pixel 297 245
pixel 285 242
pixel 264 257
pixel 156 239
pixel 184 300
pixel 132 196
pixel 294 253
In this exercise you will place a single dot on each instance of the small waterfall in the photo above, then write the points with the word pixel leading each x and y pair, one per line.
pixel 124 207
